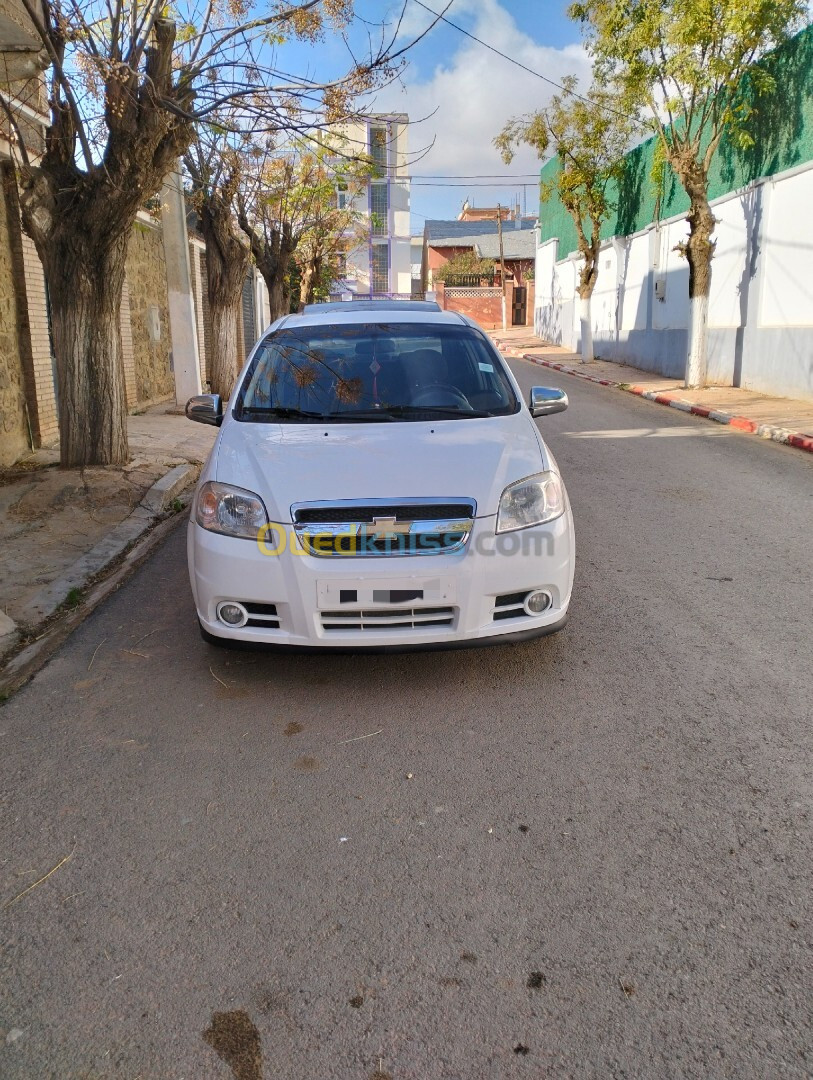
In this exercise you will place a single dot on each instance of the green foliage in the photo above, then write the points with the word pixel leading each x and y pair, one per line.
pixel 464 263
pixel 780 129
pixel 73 599
pixel 589 138
pixel 687 64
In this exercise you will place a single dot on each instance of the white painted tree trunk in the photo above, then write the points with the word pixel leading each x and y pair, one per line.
pixel 698 323
pixel 586 330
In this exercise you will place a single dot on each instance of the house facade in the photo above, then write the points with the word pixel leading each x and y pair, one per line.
pixel 382 264
pixel 443 240
pixel 482 299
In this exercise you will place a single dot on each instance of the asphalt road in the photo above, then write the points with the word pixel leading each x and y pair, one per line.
pixel 587 856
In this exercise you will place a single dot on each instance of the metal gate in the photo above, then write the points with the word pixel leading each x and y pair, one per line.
pixel 249 333
pixel 519 307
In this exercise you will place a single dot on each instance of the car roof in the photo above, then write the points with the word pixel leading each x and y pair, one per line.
pixel 361 314
pixel 371 305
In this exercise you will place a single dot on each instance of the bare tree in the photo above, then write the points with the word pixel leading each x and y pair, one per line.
pixel 215 172
pixel 128 82
pixel 300 204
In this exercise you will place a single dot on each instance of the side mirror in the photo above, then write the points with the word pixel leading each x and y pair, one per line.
pixel 205 409
pixel 545 400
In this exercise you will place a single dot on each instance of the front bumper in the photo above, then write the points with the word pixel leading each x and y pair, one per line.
pixel 458 591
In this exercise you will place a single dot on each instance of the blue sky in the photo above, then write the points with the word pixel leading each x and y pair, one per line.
pixel 471 91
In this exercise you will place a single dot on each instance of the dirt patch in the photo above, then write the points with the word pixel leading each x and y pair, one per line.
pixel 307 764
pixel 236 1041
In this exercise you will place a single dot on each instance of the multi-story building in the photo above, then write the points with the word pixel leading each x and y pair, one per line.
pixel 380 266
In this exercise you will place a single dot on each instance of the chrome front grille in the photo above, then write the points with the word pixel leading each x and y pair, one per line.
pixel 388 619
pixel 348 513
pixel 384 527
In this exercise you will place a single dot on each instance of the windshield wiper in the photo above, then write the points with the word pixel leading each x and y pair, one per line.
pixel 279 412
pixel 360 414
pixel 444 410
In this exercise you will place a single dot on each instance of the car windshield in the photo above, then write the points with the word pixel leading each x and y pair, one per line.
pixel 374 373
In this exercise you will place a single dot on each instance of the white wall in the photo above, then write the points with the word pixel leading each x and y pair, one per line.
pixel 761 302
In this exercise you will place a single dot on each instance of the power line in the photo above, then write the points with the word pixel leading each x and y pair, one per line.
pixel 516 63
pixel 494 184
pixel 475 176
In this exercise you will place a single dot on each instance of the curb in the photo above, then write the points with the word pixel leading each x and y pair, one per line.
pixel 132 538
pixel 740 423
pixel 154 503
pixel 23 665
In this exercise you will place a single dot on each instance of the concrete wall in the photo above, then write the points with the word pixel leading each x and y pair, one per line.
pixel 761 303
pixel 149 314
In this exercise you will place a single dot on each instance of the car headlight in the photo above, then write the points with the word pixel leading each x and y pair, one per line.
pixel 531 501
pixel 229 510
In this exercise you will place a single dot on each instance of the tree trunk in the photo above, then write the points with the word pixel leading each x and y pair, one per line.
pixel 225 359
pixel 307 285
pixel 272 253
pixel 699 253
pixel 227 262
pixel 587 283
pixel 85 284
pixel 80 221
pixel 586 329
pixel 279 296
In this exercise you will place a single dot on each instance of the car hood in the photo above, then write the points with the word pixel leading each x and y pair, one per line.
pixel 448 459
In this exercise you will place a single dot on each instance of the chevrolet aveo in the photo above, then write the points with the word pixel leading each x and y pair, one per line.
pixel 378 482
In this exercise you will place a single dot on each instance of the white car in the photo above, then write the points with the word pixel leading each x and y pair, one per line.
pixel 378 482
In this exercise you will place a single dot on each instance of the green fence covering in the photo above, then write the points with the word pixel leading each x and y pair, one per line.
pixel 782 129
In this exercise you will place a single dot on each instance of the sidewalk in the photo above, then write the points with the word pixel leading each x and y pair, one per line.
pixel 785 420
pixel 60 528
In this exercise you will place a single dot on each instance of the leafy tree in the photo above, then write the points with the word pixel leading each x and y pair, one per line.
pixel 464 263
pixel 589 139
pixel 687 63
pixel 128 82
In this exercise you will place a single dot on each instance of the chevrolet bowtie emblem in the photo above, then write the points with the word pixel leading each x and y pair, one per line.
pixel 388 526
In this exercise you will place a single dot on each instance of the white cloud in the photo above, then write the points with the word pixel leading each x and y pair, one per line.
pixel 472 95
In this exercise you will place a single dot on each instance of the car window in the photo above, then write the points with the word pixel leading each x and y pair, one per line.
pixel 382 372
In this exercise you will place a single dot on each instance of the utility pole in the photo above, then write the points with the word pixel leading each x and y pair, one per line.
pixel 502 267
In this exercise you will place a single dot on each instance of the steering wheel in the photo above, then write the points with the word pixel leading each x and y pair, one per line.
pixel 440 394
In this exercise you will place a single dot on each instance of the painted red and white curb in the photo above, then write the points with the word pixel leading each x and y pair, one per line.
pixel 741 423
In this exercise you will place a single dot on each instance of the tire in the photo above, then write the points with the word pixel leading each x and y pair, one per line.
pixel 211 639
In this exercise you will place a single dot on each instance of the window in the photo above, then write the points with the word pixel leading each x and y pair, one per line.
pixel 378 147
pixel 379 206
pixel 380 268
pixel 341 195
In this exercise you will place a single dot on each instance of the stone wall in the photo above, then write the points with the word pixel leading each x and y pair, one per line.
pixel 13 428
pixel 149 315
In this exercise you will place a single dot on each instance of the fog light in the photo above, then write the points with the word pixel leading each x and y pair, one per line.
pixel 232 614
pixel 537 602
